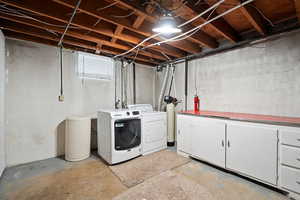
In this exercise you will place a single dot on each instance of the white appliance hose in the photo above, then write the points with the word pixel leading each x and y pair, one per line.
pixel 163 88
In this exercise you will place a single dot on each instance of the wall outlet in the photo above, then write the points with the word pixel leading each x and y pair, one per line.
pixel 61 98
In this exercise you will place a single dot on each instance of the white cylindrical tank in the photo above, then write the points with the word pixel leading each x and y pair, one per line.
pixel 171 124
pixel 78 138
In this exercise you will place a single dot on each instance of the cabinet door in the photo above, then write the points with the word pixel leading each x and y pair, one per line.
pixel 185 129
pixel 252 150
pixel 208 141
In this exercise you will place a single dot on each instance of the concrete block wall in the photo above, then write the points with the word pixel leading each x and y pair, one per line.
pixel 263 79
pixel 35 117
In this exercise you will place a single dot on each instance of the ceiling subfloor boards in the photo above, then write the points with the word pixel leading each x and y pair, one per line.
pixel 35 33
pixel 220 25
pixel 297 6
pixel 118 31
pixel 113 27
pixel 74 34
pixel 200 37
pixel 185 46
pixel 254 17
pixel 59 17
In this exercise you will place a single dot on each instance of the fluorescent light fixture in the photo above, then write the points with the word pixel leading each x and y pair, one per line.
pixel 166 26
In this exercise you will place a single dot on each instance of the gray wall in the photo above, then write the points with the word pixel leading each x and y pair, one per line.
pixel 264 79
pixel 35 128
pixel 2 105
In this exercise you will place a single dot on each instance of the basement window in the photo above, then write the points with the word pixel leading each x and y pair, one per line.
pixel 90 66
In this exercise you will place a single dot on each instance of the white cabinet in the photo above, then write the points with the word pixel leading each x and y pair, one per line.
pixel 289 165
pixel 290 179
pixel 290 137
pixel 267 153
pixel 185 130
pixel 252 150
pixel 208 141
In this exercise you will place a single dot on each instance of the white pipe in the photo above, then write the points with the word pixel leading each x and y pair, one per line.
pixel 163 88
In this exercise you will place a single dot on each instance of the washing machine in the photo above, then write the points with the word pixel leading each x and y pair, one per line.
pixel 154 128
pixel 119 135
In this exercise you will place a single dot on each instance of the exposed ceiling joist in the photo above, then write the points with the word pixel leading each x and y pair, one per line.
pixel 44 35
pixel 75 34
pixel 67 46
pixel 48 13
pixel 297 6
pixel 185 46
pixel 98 48
pixel 112 27
pixel 139 20
pixel 118 31
pixel 200 37
pixel 220 25
pixel 254 17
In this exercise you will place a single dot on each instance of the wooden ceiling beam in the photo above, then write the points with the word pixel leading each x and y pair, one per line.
pixel 29 38
pixel 118 31
pixel 75 34
pixel 44 35
pixel 183 45
pixel 139 20
pixel 98 48
pixel 297 6
pixel 219 25
pixel 44 11
pixel 200 37
pixel 253 16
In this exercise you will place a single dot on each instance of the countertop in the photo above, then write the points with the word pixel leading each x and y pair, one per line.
pixel 269 119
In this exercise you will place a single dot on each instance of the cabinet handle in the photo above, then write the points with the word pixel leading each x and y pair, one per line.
pixel 222 143
pixel 298 182
pixel 298 159
pixel 228 143
pixel 178 132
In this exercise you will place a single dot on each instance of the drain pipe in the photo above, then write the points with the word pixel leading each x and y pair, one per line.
pixel 115 74
pixel 122 82
pixel 134 83
pixel 163 88
pixel 125 74
pixel 186 83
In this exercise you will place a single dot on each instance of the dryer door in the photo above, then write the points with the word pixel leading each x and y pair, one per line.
pixel 127 134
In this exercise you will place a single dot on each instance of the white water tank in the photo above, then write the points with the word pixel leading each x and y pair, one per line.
pixel 171 124
pixel 78 138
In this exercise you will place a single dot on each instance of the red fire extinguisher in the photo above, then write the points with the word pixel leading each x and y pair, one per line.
pixel 196 103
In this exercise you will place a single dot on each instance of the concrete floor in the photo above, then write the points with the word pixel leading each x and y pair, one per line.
pixel 91 179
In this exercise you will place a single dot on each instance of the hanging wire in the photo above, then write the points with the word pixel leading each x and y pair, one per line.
pixel 123 16
pixel 187 32
pixel 263 15
pixel 196 29
pixel 94 25
pixel 17 13
pixel 201 25
pixel 108 6
pixel 197 2
pixel 179 7
pixel 183 34
pixel 69 22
